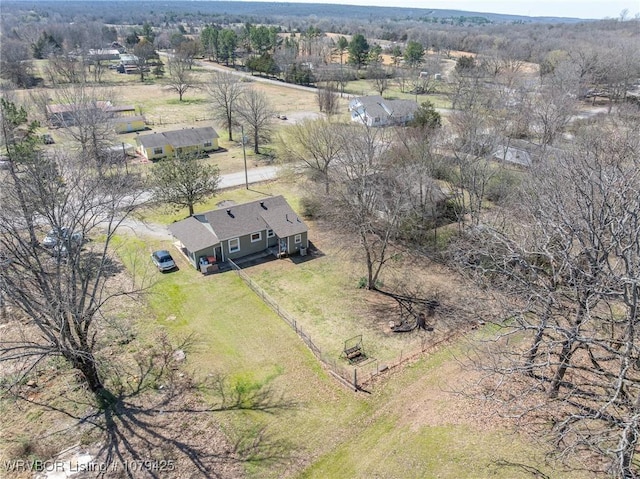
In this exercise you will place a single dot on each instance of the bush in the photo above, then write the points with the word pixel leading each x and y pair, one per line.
pixel 502 185
pixel 311 207
pixel 450 211
pixel 362 283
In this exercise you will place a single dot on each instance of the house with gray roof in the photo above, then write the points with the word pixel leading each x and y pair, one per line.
pixel 177 142
pixel 377 111
pixel 521 153
pixel 513 155
pixel 71 114
pixel 233 232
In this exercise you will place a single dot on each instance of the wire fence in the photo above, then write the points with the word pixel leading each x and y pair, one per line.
pixel 354 376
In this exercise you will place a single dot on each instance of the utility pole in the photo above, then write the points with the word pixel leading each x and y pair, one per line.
pixel 244 154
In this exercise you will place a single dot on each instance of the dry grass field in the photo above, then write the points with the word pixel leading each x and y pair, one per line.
pixel 163 111
pixel 412 422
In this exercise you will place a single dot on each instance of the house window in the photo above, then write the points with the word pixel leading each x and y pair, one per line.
pixel 208 144
pixel 158 151
pixel 270 234
pixel 234 245
pixel 297 239
pixel 255 237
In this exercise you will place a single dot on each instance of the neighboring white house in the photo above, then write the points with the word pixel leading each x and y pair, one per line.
pixel 376 111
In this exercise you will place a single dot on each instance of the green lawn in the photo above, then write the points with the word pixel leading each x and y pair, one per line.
pixel 238 336
pixel 399 430
pixel 323 295
pixel 364 87
pixel 167 215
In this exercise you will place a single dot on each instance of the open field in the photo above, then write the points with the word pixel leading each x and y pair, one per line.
pixel 413 424
pixel 410 426
pixel 164 111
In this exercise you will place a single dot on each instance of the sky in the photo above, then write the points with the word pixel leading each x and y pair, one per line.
pixel 595 9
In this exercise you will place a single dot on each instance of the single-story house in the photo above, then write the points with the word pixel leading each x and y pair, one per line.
pixel 127 124
pixel 126 59
pixel 241 230
pixel 513 155
pixel 376 111
pixel 104 54
pixel 177 142
pixel 65 115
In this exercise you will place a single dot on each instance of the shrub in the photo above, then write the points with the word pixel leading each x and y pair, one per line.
pixel 502 185
pixel 311 207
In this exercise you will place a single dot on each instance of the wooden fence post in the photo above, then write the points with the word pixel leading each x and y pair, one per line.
pixel 355 379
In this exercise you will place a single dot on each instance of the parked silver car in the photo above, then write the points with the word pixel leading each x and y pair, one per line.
pixel 163 260
pixel 62 235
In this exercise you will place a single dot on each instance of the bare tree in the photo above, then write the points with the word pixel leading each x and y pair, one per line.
pixel 554 104
pixel 60 288
pixel 402 78
pixel 224 91
pixel 420 166
pixel 257 113
pixel 143 52
pixel 65 68
pixel 378 76
pixel 100 66
pixel 188 51
pixel 88 119
pixel 315 144
pixel 567 263
pixel 15 63
pixel 617 70
pixel 367 199
pixel 328 100
pixel 181 78
pixel 475 138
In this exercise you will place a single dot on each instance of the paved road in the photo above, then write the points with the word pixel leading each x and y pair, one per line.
pixel 221 68
pixel 143 228
pixel 255 175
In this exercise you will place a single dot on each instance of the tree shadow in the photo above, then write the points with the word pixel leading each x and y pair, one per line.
pixel 160 422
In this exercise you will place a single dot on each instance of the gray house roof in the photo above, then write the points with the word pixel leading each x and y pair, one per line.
pixel 512 155
pixel 208 229
pixel 178 138
pixel 377 107
pixel 194 235
pixel 269 213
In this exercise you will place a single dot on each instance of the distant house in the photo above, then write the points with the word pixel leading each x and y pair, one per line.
pixel 177 142
pixel 129 124
pixel 104 54
pixel 66 115
pixel 128 64
pixel 511 154
pixel 376 111
pixel 128 60
pixel 269 224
